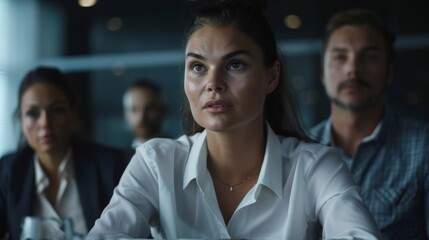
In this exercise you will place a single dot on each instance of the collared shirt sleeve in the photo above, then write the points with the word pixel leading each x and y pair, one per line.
pixel 133 203
pixel 338 203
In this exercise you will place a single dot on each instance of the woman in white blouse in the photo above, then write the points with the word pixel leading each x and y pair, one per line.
pixel 243 170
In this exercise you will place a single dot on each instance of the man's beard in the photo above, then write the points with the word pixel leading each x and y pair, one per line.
pixel 359 106
pixel 354 107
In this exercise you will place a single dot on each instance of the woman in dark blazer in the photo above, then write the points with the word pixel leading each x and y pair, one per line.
pixel 53 175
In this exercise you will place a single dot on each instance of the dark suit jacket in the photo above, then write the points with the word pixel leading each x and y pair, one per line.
pixel 97 172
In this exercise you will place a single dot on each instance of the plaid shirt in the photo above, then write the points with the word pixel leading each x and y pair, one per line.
pixel 392 168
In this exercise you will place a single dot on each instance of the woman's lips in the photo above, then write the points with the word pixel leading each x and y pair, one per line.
pixel 217 106
pixel 47 138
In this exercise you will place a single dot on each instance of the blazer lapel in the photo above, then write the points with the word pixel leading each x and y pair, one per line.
pixel 23 190
pixel 87 184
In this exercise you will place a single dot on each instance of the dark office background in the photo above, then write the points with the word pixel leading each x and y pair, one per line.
pixel 105 47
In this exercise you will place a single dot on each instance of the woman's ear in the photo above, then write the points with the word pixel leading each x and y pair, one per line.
pixel 273 76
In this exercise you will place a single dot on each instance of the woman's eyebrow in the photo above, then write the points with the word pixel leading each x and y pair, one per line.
pixel 237 52
pixel 227 56
pixel 195 55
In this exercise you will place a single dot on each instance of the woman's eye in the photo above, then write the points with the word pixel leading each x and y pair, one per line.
pixel 236 66
pixel 197 67
pixel 339 57
pixel 32 114
pixel 58 110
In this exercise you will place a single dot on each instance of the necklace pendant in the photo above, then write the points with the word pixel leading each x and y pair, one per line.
pixel 231 188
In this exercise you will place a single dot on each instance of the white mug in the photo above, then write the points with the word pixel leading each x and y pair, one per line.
pixel 44 228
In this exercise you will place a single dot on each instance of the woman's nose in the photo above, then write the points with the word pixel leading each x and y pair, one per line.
pixel 215 87
pixel 44 119
pixel 215 82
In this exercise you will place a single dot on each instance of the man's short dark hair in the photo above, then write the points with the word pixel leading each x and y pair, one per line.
pixel 145 83
pixel 361 17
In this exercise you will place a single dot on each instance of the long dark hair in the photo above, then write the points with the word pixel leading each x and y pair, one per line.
pixel 280 109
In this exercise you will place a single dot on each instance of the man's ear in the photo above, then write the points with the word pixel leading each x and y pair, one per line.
pixel 273 76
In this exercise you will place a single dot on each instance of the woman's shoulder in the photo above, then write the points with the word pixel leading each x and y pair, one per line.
pixel 12 158
pixel 92 146
pixel 106 157
pixel 167 148
pixel 6 162
pixel 292 145
pixel 16 165
pixel 162 156
pixel 309 153
pixel 89 148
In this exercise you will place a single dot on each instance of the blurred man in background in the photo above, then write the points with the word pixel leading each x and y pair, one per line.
pixel 388 155
pixel 144 110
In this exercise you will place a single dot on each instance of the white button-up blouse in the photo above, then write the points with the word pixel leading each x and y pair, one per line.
pixel 167 191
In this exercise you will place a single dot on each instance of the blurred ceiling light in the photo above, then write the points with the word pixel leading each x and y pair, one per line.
pixel 292 21
pixel 114 24
pixel 87 3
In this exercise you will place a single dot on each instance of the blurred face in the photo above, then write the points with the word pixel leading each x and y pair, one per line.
pixel 143 112
pixel 356 71
pixel 225 78
pixel 46 118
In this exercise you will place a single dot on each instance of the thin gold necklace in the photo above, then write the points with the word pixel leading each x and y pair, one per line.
pixel 232 187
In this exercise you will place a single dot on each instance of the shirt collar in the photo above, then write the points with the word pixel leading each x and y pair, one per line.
pixel 197 159
pixel 136 142
pixel 327 138
pixel 374 135
pixel 271 170
pixel 65 169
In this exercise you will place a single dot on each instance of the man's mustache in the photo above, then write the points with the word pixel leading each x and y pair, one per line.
pixel 357 81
